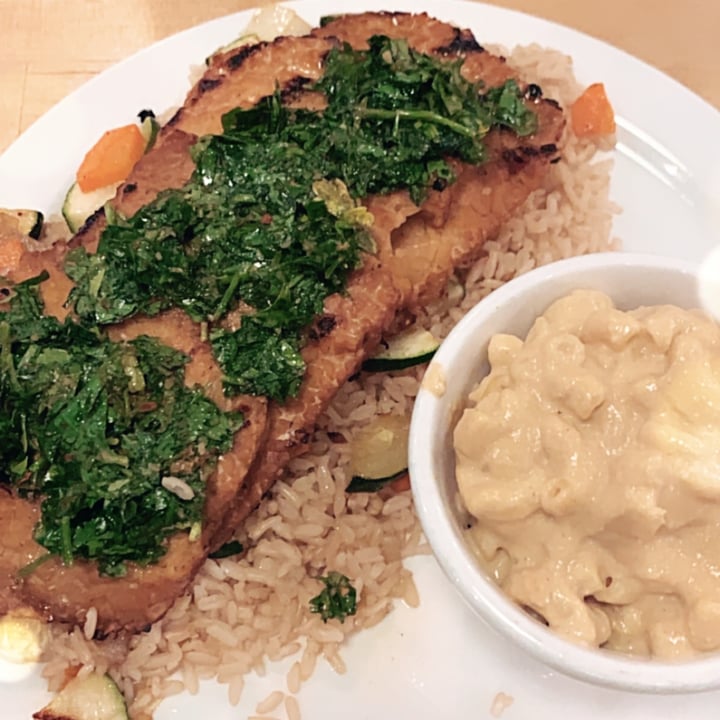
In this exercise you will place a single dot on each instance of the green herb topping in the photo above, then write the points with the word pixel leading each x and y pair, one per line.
pixel 270 224
pixel 337 600
pixel 105 435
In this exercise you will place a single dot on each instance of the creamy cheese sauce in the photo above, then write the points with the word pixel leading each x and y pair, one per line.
pixel 590 456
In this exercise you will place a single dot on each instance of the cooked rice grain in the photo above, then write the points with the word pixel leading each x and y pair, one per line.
pixel 272 701
pixel 90 623
pixel 244 611
pixel 292 708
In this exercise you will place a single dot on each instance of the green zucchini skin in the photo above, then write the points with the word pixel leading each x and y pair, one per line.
pixel 79 206
pixel 149 127
pixel 390 364
pixel 408 348
pixel 360 484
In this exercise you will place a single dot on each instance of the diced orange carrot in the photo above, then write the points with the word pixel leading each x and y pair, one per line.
pixel 112 158
pixel 11 252
pixel 592 113
pixel 401 484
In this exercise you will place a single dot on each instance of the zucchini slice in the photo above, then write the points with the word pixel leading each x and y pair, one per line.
pixel 265 25
pixel 28 223
pixel 79 205
pixel 410 347
pixel 273 21
pixel 149 127
pixel 230 548
pixel 245 39
pixel 379 453
pixel 93 697
pixel 360 484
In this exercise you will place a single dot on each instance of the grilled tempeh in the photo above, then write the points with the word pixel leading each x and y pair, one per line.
pixel 418 248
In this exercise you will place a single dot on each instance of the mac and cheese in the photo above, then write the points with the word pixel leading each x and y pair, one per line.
pixel 590 456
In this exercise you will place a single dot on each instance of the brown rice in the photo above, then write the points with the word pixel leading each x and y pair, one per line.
pixel 245 612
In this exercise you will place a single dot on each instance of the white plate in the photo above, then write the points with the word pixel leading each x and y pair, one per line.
pixel 436 661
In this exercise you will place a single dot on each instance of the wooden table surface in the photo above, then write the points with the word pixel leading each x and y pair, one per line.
pixel 50 47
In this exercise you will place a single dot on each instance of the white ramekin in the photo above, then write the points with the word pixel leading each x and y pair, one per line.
pixel 631 280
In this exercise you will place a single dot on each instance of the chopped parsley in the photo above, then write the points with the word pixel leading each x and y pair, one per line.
pixel 91 428
pixel 270 223
pixel 337 600
pixel 105 436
